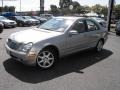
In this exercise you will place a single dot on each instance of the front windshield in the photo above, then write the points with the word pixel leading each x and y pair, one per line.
pixel 27 17
pixel 56 24
pixel 2 18
pixel 36 17
pixel 19 17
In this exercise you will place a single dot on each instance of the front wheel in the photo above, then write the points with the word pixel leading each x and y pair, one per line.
pixel 99 46
pixel 46 58
pixel 20 25
pixel 118 34
pixel 1 29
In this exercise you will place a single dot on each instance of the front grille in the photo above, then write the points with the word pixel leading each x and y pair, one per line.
pixel 11 22
pixel 13 45
pixel 27 21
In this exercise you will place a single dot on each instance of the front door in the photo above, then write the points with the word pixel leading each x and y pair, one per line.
pixel 94 33
pixel 78 41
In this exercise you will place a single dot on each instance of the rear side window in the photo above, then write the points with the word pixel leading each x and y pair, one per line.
pixel 79 26
pixel 92 26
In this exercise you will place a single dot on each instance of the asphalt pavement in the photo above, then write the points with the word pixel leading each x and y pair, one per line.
pixel 85 70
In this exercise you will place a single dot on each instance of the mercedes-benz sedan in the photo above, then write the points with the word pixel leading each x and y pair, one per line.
pixel 7 23
pixel 56 38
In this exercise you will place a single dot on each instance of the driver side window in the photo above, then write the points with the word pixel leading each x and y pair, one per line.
pixel 79 26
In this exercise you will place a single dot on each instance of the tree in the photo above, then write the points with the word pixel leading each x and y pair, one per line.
pixel 11 9
pixel 100 9
pixel 1 9
pixel 6 9
pixel 97 8
pixel 54 9
pixel 117 11
pixel 86 9
pixel 64 3
pixel 76 7
pixel 104 10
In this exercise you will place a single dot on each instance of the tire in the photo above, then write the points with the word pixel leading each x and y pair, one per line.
pixel 46 58
pixel 13 26
pixel 118 34
pixel 99 46
pixel 1 30
pixel 20 25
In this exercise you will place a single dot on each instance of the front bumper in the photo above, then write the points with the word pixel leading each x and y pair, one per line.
pixel 26 58
pixel 10 25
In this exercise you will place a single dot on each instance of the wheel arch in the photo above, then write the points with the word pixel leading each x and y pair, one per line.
pixel 102 39
pixel 52 47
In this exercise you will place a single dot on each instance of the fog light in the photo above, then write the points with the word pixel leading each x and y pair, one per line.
pixel 32 54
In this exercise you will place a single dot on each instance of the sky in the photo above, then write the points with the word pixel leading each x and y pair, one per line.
pixel 31 5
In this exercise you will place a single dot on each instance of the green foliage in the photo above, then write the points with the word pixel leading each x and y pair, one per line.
pixel 7 9
pixel 86 9
pixel 117 11
pixel 100 9
pixel 77 8
pixel 1 9
pixel 104 10
pixel 54 10
pixel 97 8
pixel 65 3
pixel 11 9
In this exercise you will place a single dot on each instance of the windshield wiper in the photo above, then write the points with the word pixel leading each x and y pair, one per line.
pixel 46 28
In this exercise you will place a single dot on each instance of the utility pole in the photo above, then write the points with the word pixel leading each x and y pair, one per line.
pixel 2 5
pixel 110 9
pixel 41 6
pixel 20 5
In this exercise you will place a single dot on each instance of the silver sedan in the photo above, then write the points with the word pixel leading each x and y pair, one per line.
pixel 56 38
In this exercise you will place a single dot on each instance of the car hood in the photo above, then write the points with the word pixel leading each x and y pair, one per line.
pixel 33 35
pixel 7 20
pixel 33 19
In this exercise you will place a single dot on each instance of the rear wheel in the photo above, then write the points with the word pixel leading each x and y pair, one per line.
pixel 46 58
pixel 99 46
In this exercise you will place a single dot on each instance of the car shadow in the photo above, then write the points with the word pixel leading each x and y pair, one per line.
pixel 73 63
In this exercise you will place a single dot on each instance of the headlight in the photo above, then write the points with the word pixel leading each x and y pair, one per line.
pixel 15 22
pixel 26 47
pixel 6 22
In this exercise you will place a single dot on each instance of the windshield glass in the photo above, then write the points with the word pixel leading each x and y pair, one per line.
pixel 36 17
pixel 19 17
pixel 27 17
pixel 2 18
pixel 56 24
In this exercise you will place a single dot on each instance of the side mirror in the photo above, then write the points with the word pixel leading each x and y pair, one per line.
pixel 73 32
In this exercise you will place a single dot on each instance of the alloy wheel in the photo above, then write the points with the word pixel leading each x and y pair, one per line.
pixel 100 46
pixel 45 59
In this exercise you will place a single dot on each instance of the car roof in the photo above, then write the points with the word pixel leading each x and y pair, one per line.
pixel 70 17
